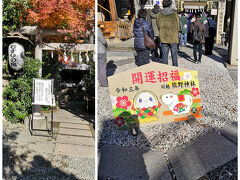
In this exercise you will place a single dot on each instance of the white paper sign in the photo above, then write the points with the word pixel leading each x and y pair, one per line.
pixel 214 12
pixel 43 92
pixel 16 55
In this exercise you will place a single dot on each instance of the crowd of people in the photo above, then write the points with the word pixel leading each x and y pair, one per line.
pixel 171 31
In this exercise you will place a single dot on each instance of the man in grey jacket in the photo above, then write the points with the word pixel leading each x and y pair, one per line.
pixel 153 20
pixel 102 59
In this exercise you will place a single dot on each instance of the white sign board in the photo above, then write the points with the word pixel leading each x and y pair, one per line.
pixel 43 92
pixel 16 55
pixel 214 12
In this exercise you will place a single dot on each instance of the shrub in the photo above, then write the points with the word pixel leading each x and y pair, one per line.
pixel 17 97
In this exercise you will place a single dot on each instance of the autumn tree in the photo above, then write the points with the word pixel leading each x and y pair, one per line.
pixel 73 17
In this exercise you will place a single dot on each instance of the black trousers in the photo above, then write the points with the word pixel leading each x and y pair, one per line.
pixel 143 57
pixel 209 41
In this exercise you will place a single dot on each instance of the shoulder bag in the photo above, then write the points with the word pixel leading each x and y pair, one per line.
pixel 149 43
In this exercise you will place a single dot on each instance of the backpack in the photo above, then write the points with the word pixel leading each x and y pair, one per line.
pixel 197 34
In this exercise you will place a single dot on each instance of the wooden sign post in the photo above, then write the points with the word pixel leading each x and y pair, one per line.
pixel 43 95
pixel 154 94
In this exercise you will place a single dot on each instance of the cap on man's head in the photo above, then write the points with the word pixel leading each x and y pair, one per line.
pixel 198 16
pixel 156 6
pixel 167 3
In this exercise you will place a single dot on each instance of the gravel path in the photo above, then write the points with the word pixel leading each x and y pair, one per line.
pixel 219 101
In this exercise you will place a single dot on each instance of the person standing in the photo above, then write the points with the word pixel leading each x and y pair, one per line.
pixel 168 26
pixel 211 27
pixel 184 30
pixel 140 24
pixel 153 20
pixel 102 59
pixel 198 30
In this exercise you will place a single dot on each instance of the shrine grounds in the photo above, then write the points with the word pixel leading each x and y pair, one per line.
pixel 68 155
pixel 179 150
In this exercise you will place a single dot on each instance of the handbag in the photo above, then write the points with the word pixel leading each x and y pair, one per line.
pixel 149 43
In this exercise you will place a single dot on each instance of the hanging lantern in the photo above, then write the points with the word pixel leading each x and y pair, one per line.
pixel 16 56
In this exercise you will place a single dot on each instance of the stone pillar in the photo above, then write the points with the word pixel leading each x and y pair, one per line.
pixel 38 55
pixel 38 118
pixel 233 46
pixel 220 20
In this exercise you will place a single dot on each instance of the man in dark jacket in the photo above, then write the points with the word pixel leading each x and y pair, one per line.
pixel 197 44
pixel 168 25
pixel 211 27
pixel 143 54
pixel 153 20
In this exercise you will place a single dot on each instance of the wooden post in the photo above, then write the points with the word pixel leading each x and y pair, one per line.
pixel 113 10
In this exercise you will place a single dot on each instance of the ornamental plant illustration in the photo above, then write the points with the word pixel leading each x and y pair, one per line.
pixel 121 111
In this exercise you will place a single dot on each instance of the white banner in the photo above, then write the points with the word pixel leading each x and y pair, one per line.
pixel 43 92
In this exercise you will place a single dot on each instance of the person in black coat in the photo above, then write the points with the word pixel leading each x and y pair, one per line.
pixel 143 54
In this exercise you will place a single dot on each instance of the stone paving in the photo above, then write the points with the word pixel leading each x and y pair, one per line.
pixel 70 154
pixel 74 136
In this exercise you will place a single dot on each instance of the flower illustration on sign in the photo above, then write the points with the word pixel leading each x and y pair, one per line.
pixel 195 92
pixel 119 121
pixel 123 102
pixel 187 76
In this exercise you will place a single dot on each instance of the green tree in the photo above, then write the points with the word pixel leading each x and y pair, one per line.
pixel 17 97
pixel 14 14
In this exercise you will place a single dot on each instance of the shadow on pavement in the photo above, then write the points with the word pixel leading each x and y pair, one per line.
pixel 22 166
pixel 121 162
pixel 186 56
pixel 111 68
pixel 221 54
pixel 79 112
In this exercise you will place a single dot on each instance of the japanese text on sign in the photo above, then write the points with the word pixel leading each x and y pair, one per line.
pixel 154 77
pixel 130 89
pixel 43 92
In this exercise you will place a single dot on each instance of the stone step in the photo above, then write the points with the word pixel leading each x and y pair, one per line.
pixel 196 158
pixel 75 140
pixel 75 150
pixel 74 126
pixel 230 132
pixel 75 132
pixel 121 162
